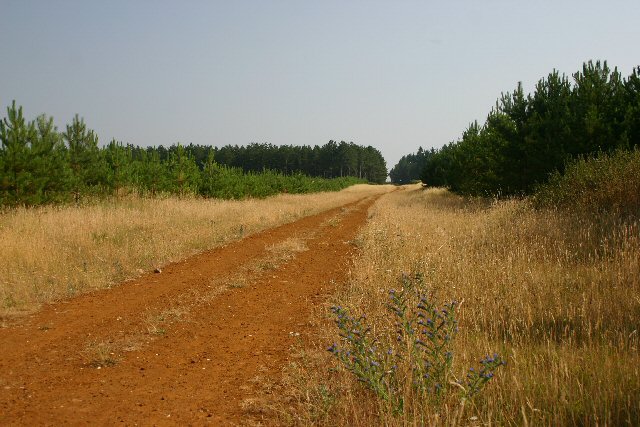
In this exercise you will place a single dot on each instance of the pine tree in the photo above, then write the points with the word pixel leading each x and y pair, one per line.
pixel 549 138
pixel 185 175
pixel 120 162
pixel 210 176
pixel 152 173
pixel 631 127
pixel 49 163
pixel 597 108
pixel 16 136
pixel 88 168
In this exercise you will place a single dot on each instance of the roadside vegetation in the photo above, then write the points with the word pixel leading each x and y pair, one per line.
pixel 528 137
pixel 55 252
pixel 553 290
pixel 41 165
pixel 607 184
pixel 528 241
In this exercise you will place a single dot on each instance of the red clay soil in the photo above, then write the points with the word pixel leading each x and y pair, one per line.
pixel 167 348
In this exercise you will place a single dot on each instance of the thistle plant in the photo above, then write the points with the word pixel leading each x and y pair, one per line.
pixel 424 337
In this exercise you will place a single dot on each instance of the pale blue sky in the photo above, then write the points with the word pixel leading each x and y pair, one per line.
pixel 392 74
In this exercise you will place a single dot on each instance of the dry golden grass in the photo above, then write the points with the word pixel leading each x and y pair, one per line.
pixel 50 253
pixel 555 293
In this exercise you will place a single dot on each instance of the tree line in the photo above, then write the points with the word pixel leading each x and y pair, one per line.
pixel 410 167
pixel 525 138
pixel 330 160
pixel 39 164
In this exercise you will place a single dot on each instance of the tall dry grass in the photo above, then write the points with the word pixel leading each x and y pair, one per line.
pixel 51 252
pixel 555 292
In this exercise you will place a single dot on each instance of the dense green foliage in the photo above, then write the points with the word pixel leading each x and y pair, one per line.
pixel 410 167
pixel 608 183
pixel 528 137
pixel 331 160
pixel 39 164
pixel 232 183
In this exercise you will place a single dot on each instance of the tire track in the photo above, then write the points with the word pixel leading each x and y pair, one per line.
pixel 199 369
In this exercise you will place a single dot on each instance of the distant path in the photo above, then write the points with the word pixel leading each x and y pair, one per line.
pixel 181 346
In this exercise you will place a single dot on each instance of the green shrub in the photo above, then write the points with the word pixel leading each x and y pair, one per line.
pixel 232 183
pixel 608 183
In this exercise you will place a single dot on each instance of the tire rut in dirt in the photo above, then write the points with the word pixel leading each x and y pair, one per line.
pixel 94 359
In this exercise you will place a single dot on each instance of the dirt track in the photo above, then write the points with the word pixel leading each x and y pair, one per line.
pixel 179 347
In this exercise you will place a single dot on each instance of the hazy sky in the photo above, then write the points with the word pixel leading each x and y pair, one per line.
pixel 392 74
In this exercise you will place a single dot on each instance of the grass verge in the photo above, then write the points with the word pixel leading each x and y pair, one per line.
pixel 554 292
